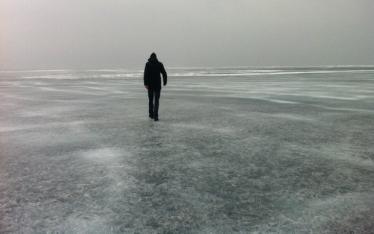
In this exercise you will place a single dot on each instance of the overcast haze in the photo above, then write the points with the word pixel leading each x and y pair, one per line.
pixel 96 34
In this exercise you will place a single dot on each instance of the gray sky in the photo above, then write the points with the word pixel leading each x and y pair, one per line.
pixel 98 34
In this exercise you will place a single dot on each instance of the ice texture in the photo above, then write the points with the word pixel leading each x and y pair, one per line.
pixel 236 150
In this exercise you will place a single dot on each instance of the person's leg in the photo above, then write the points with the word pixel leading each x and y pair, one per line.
pixel 150 104
pixel 157 102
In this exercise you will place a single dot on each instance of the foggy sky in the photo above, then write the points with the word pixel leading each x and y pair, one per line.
pixel 110 34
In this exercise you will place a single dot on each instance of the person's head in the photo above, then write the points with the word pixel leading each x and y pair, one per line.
pixel 153 56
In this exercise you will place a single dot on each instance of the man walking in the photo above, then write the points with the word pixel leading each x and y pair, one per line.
pixel 152 82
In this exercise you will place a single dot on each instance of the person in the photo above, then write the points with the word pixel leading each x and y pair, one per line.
pixel 152 82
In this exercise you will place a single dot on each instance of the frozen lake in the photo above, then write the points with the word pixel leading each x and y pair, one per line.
pixel 274 150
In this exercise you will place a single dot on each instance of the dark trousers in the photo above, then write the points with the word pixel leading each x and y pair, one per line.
pixel 153 108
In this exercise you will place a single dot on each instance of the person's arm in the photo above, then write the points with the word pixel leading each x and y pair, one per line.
pixel 164 75
pixel 146 76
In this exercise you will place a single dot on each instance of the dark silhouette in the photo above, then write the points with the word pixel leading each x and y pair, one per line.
pixel 152 82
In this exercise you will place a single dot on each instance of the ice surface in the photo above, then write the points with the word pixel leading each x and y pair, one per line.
pixel 246 150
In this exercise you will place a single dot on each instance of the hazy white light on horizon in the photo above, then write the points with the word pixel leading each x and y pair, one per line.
pixel 38 34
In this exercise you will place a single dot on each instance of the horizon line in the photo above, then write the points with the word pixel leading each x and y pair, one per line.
pixel 191 67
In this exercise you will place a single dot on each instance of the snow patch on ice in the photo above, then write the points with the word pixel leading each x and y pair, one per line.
pixel 202 127
pixel 345 109
pixel 79 225
pixel 293 117
pixel 320 214
pixel 75 125
pixel 104 154
pixel 50 111
pixel 281 101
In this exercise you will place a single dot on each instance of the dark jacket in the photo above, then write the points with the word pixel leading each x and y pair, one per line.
pixel 152 72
